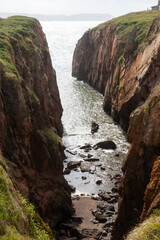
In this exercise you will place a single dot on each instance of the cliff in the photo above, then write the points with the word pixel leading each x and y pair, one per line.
pixel 121 59
pixel 30 118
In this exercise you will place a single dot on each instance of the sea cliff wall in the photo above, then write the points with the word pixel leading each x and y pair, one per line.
pixel 121 59
pixel 30 118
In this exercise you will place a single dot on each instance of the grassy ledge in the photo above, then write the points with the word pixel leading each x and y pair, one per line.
pixel 148 230
pixel 125 24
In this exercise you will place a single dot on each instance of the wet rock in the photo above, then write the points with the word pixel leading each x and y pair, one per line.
pixel 86 146
pixel 103 168
pixel 114 190
pixel 99 182
pixel 73 153
pixel 94 127
pixel 108 223
pixel 83 178
pixel 91 159
pixel 73 164
pixel 97 198
pixel 105 145
pixel 76 170
pixel 113 200
pixel 89 156
pixel 100 217
pixel 85 167
pixel 67 171
pixel 117 155
pixel 105 196
pixel 72 189
pixel 104 207
pixel 94 221
pixel 75 197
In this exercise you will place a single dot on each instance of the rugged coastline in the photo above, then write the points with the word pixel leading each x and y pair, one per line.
pixel 32 151
pixel 120 59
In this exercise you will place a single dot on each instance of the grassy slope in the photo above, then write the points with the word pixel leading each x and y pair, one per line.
pixel 18 219
pixel 148 230
pixel 140 20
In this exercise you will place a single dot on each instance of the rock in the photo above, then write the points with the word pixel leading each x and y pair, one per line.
pixel 105 196
pixel 86 146
pixel 72 153
pixel 105 206
pixel 89 155
pixel 103 168
pixel 73 164
pixel 72 189
pixel 108 223
pixel 91 171
pixel 98 182
pixel 113 200
pixel 114 190
pixel 105 145
pixel 83 178
pixel 67 171
pixel 100 217
pixel 94 221
pixel 91 159
pixel 85 167
pixel 94 127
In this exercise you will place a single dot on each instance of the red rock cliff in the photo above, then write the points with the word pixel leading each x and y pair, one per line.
pixel 121 59
pixel 30 118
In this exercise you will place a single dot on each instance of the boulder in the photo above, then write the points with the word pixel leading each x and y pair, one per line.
pixel 105 145
pixel 94 127
pixel 73 164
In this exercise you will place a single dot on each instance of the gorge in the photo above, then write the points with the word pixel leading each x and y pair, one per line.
pixel 120 59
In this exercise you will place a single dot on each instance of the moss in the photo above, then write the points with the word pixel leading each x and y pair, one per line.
pixel 148 230
pixel 50 138
pixel 146 109
pixel 18 219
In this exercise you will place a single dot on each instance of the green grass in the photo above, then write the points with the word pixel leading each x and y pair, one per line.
pixel 18 219
pixel 148 230
pixel 15 33
pixel 50 138
pixel 125 24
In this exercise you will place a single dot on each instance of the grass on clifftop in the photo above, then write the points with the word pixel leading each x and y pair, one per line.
pixel 18 219
pixel 13 32
pixel 125 24
pixel 148 230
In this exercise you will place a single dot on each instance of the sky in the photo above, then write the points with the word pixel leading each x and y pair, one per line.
pixel 70 7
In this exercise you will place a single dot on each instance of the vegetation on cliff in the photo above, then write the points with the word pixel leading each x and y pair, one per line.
pixel 121 59
pixel 18 219
pixel 30 126
pixel 148 230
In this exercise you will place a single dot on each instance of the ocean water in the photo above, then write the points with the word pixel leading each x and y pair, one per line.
pixel 82 105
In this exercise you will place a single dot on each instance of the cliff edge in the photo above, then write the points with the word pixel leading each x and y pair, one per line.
pixel 30 118
pixel 121 59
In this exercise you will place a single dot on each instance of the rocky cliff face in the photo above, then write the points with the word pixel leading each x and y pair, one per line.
pixel 30 118
pixel 121 59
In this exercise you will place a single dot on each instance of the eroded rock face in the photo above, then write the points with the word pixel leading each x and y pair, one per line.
pixel 128 75
pixel 30 118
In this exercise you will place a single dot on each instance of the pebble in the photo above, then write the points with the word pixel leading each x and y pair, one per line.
pixel 98 182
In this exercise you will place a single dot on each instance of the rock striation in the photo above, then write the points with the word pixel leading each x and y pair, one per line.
pixel 30 118
pixel 121 59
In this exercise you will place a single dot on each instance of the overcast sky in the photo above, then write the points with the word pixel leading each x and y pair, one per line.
pixel 113 7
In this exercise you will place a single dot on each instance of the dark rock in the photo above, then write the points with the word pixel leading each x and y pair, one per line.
pixel 98 182
pixel 105 145
pixel 86 146
pixel 67 171
pixel 117 155
pixel 103 168
pixel 82 155
pixel 108 223
pixel 114 190
pixel 72 189
pixel 73 164
pixel 94 127
pixel 94 221
pixel 94 233
pixel 105 196
pixel 91 159
pixel 100 217
pixel 73 153
pixel 113 200
pixel 104 207
pixel 87 182
pixel 89 156
pixel 83 178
